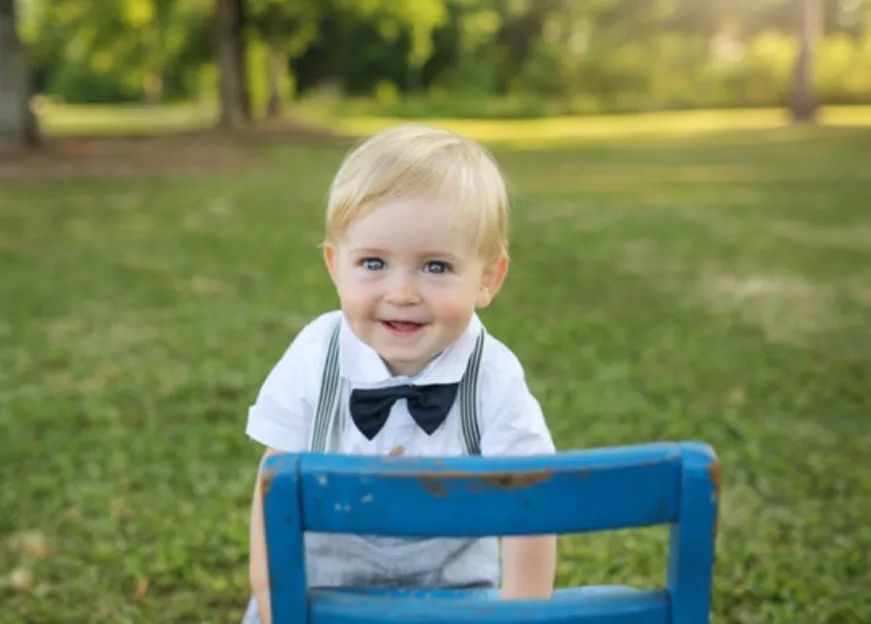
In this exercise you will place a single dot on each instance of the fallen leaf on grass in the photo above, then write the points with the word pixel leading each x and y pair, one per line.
pixel 33 543
pixel 141 590
pixel 36 545
pixel 20 579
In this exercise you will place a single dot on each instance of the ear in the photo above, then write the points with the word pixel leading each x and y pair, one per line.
pixel 491 281
pixel 331 260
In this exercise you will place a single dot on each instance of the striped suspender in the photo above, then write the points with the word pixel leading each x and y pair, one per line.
pixel 328 401
pixel 327 412
pixel 468 397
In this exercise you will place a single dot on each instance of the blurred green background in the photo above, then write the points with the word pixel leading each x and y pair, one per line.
pixel 691 258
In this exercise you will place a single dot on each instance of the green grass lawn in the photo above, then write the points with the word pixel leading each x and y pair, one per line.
pixel 72 120
pixel 714 287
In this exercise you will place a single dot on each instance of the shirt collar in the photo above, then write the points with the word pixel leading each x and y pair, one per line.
pixel 361 364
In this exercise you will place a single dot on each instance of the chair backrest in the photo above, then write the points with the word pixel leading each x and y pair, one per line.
pixel 568 492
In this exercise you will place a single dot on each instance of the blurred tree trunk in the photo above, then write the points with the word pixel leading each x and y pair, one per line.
pixel 18 124
pixel 517 36
pixel 803 99
pixel 230 41
pixel 277 60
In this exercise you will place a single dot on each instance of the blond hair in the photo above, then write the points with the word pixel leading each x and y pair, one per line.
pixel 415 160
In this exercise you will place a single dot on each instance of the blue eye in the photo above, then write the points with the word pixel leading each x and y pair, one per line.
pixel 437 267
pixel 373 264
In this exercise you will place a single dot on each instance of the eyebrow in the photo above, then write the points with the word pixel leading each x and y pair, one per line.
pixel 441 254
pixel 367 251
pixel 427 253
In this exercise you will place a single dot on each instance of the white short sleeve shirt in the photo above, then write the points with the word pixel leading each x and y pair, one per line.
pixel 511 419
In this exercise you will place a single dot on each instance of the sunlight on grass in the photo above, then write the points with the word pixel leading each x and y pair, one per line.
pixel 786 307
pixel 71 120
pixel 88 119
pixel 555 130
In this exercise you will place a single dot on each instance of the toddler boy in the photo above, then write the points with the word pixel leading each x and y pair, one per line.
pixel 416 241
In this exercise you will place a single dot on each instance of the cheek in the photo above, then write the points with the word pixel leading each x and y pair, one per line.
pixel 449 296
pixel 354 287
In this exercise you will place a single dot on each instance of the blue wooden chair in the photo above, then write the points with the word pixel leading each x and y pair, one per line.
pixel 569 492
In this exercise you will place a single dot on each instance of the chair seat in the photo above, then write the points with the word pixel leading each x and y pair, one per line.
pixel 581 605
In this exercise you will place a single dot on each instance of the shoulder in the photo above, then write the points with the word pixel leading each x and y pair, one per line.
pixel 316 334
pixel 311 341
pixel 281 415
pixel 301 359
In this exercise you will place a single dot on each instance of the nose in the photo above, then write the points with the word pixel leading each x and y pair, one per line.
pixel 403 291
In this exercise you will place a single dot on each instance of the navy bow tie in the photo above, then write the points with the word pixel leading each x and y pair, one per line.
pixel 428 405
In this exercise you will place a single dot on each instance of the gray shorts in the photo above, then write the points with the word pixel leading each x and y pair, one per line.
pixel 386 562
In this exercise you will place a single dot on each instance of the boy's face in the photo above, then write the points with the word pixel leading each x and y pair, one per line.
pixel 409 281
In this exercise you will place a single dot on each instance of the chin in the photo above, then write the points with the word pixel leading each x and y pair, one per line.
pixel 401 358
pixel 404 361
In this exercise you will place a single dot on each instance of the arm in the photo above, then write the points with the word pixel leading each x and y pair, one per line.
pixel 514 425
pixel 281 420
pixel 258 569
pixel 528 566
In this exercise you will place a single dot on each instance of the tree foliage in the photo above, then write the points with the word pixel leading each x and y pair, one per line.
pixel 588 56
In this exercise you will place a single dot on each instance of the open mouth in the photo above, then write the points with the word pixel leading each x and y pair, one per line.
pixel 402 327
